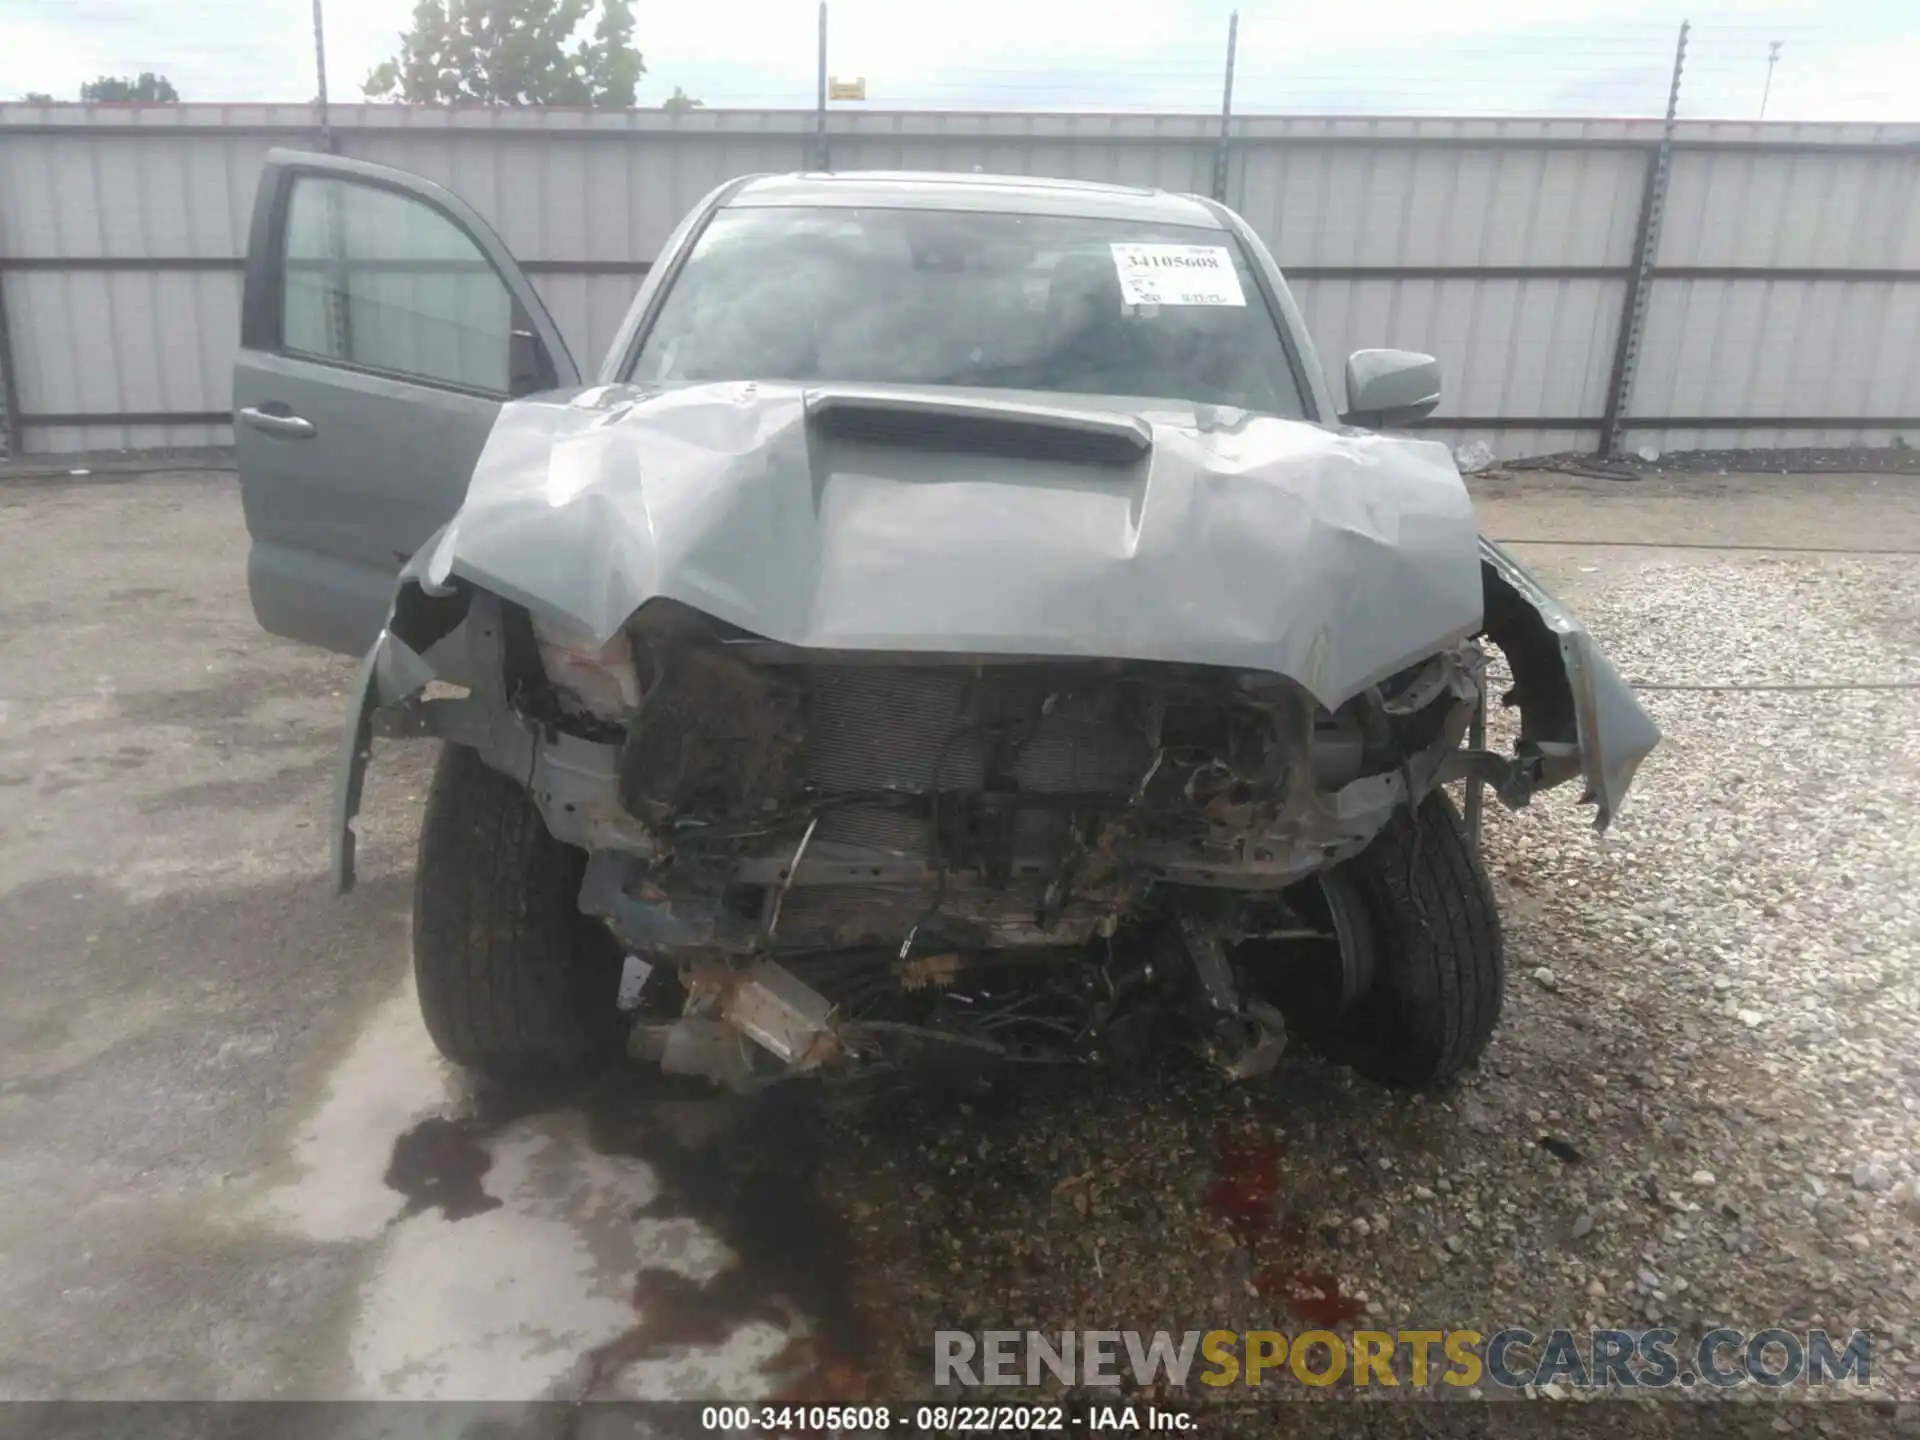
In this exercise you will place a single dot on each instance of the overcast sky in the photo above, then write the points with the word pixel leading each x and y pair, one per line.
pixel 1855 60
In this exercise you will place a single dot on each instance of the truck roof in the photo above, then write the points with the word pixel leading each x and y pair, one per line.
pixel 961 190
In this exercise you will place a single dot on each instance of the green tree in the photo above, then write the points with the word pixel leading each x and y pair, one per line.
pixel 680 100
pixel 150 88
pixel 513 52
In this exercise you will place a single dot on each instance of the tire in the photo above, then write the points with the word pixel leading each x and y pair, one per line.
pixel 1441 968
pixel 514 981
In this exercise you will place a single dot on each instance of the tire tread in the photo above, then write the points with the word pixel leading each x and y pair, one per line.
pixel 1443 961
pixel 496 925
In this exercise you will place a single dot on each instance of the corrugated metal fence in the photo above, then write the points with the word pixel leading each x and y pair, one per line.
pixel 1781 299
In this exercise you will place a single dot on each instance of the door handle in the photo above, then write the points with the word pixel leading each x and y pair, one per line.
pixel 287 427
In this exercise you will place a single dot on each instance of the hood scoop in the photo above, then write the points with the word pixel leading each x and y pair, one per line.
pixel 999 428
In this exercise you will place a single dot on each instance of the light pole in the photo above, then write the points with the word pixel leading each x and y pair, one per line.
pixel 320 67
pixel 1773 59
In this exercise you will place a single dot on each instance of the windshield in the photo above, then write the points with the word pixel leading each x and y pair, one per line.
pixel 933 297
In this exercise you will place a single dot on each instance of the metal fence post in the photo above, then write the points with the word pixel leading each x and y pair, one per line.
pixel 1220 153
pixel 821 159
pixel 9 382
pixel 1646 247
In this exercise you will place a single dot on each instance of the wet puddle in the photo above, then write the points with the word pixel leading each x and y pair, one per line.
pixel 738 1171
pixel 439 1164
pixel 745 1169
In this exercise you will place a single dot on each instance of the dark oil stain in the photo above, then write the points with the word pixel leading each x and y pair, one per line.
pixel 676 1311
pixel 747 1169
pixel 1245 1185
pixel 438 1165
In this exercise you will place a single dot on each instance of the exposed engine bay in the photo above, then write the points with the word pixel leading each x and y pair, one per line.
pixel 856 855
pixel 921 732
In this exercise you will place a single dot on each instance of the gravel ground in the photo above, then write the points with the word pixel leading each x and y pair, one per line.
pixel 1709 1018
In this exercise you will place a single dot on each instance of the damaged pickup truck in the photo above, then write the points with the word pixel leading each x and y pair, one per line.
pixel 956 622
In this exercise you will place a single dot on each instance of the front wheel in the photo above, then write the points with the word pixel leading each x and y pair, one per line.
pixel 514 981
pixel 1440 969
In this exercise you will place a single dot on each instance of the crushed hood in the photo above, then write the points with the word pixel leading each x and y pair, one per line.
pixel 930 521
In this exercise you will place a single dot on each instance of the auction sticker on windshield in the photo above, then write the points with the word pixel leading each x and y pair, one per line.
pixel 1177 275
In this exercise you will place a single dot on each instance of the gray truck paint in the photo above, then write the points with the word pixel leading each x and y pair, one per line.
pixel 384 459
pixel 1233 539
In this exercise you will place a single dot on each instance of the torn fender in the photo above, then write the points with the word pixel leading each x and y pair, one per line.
pixel 461 638
pixel 1572 701
pixel 390 672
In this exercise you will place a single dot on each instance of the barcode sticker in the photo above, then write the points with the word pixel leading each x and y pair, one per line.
pixel 1177 275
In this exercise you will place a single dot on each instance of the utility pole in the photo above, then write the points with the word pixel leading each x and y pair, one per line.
pixel 1646 249
pixel 821 159
pixel 320 66
pixel 1220 154
pixel 1773 59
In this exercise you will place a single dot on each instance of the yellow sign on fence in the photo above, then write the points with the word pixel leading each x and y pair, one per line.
pixel 854 89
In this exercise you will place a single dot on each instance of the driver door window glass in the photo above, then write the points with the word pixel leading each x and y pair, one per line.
pixel 381 281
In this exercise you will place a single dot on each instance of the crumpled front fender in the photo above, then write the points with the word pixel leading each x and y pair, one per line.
pixel 394 670
pixel 391 672
pixel 459 637
pixel 1578 717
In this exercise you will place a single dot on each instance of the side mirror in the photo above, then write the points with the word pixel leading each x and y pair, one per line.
pixel 529 367
pixel 1390 387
